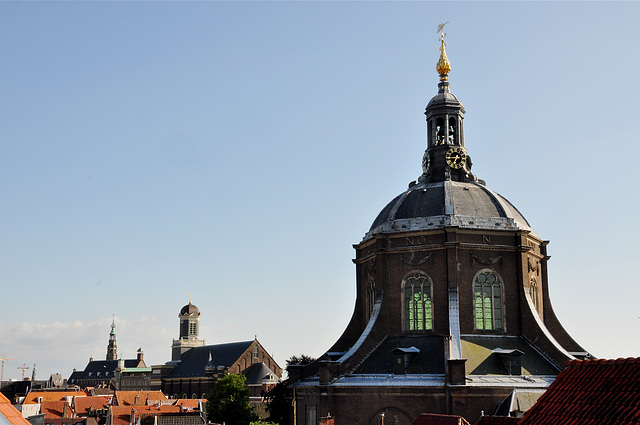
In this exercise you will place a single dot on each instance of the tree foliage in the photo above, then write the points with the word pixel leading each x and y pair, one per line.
pixel 278 398
pixel 278 403
pixel 228 401
pixel 302 359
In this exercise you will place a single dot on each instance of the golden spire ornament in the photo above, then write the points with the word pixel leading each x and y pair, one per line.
pixel 443 66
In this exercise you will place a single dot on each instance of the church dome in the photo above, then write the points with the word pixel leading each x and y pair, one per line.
pixel 446 99
pixel 190 310
pixel 446 203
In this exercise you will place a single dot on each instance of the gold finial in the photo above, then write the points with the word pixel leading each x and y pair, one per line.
pixel 443 66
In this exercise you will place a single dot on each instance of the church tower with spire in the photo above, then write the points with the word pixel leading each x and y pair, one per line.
pixel 112 348
pixel 452 312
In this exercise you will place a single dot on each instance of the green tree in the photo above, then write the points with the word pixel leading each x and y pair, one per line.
pixel 228 401
pixel 279 398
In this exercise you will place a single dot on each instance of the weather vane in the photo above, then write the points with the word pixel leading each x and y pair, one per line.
pixel 441 27
pixel 443 66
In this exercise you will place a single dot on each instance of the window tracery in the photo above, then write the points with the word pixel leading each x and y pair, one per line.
pixel 417 302
pixel 487 297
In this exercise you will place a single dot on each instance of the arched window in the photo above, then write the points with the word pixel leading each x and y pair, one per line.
pixel 440 140
pixel 417 303
pixel 452 131
pixel 487 297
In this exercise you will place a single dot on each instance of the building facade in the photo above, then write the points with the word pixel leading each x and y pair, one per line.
pixel 452 311
pixel 195 367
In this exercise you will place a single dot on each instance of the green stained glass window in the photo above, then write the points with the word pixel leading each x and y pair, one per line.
pixel 417 303
pixel 487 296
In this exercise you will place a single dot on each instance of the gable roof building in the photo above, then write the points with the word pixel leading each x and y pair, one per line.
pixel 112 372
pixel 9 415
pixel 194 367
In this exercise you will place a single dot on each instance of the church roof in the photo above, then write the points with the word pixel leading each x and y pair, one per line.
pixel 259 373
pixel 447 203
pixel 482 354
pixel 193 362
pixel 428 358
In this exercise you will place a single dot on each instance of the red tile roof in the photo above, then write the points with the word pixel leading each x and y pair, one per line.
pixel 586 392
pixel 11 413
pixel 189 403
pixel 32 397
pixel 434 419
pixel 138 398
pixel 56 409
pixel 497 420
pixel 122 415
pixel 86 404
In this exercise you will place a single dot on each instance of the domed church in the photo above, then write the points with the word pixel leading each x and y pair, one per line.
pixel 452 314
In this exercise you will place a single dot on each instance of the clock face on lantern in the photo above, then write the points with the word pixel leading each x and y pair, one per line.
pixel 456 158
pixel 426 162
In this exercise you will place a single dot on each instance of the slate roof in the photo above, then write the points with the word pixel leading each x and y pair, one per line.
pixel 439 204
pixel 590 392
pixel 10 413
pixel 259 373
pixel 192 362
pixel 435 419
pixel 98 369
pixel 428 360
pixel 478 350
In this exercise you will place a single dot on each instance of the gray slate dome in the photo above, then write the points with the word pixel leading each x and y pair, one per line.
pixel 447 203
pixel 190 310
pixel 445 99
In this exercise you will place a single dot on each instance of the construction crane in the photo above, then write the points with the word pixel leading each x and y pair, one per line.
pixel 23 367
pixel 4 359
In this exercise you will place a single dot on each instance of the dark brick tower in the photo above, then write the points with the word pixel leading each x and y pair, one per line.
pixel 452 311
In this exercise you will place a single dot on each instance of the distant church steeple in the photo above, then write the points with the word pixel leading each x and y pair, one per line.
pixel 112 348
pixel 189 331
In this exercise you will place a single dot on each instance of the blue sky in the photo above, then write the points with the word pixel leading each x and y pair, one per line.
pixel 236 150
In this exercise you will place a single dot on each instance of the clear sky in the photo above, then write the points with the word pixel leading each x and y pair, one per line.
pixel 235 151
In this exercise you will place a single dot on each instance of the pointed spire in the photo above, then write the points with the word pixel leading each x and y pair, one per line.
pixel 113 325
pixel 443 66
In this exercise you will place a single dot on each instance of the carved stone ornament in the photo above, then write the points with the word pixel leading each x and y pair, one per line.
pixel 487 262
pixel 369 268
pixel 533 267
pixel 413 262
